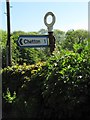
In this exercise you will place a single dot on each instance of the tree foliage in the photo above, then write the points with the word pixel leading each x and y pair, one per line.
pixel 40 85
pixel 72 37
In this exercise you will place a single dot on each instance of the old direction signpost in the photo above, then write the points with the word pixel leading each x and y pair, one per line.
pixel 50 32
pixel 40 40
pixel 33 41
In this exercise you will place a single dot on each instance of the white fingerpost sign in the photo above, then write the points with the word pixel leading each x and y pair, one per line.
pixel 33 41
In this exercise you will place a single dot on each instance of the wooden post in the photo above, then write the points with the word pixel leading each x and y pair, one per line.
pixel 8 46
pixel 89 24
pixel 51 41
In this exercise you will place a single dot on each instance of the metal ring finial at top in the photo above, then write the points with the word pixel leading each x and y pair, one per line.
pixel 50 26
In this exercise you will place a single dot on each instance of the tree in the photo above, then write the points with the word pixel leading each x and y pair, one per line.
pixel 72 37
pixel 42 32
pixel 3 41
pixel 59 37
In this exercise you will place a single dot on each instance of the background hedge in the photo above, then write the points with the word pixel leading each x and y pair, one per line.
pixel 58 88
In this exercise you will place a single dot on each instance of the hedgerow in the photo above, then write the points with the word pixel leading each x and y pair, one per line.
pixel 58 88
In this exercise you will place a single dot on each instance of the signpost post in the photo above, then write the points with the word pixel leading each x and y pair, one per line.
pixel 50 32
pixel 40 40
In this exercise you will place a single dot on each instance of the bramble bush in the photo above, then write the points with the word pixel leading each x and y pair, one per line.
pixel 58 88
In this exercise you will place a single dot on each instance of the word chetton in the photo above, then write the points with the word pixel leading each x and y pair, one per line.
pixel 33 41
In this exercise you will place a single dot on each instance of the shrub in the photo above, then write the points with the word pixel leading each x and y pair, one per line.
pixel 58 89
